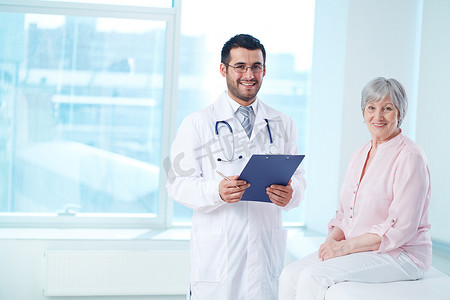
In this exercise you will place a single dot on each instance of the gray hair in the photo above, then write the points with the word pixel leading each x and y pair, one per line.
pixel 380 87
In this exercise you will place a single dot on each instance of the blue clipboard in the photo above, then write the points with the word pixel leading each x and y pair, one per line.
pixel 263 170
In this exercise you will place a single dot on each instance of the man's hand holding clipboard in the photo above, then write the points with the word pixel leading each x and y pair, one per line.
pixel 269 176
pixel 280 194
pixel 231 189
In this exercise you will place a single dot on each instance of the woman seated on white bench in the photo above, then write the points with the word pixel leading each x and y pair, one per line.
pixel 381 231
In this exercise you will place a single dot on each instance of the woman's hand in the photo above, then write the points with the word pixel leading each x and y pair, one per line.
pixel 332 248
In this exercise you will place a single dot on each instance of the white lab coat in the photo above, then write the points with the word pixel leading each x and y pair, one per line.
pixel 237 250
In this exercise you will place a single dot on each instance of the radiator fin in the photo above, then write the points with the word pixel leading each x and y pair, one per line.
pixel 102 273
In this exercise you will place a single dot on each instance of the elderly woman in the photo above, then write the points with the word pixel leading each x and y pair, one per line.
pixel 381 231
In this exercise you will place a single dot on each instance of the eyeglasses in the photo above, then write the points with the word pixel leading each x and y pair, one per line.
pixel 243 68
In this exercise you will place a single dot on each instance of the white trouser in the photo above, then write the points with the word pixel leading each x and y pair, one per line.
pixel 309 278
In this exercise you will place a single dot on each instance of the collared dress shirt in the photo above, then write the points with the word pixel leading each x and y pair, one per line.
pixel 391 200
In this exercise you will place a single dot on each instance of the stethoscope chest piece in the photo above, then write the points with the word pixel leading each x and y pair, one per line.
pixel 273 149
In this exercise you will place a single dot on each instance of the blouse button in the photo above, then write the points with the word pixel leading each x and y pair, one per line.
pixel 351 217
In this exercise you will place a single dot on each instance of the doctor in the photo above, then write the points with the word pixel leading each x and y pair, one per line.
pixel 237 247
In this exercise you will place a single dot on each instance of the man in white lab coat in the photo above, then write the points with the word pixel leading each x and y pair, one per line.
pixel 237 247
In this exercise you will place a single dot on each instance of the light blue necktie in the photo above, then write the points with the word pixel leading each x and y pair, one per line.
pixel 245 111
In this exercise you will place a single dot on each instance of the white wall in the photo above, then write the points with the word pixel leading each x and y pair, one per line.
pixel 22 272
pixel 356 41
pixel 433 113
pixel 325 112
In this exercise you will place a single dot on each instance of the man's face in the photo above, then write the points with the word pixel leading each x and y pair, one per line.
pixel 243 87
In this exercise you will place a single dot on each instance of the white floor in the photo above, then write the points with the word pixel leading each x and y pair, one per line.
pixel 441 261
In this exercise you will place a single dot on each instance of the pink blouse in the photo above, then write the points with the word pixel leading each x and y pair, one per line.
pixel 391 200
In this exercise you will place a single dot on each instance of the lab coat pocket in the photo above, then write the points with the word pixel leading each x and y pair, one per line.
pixel 209 255
pixel 277 251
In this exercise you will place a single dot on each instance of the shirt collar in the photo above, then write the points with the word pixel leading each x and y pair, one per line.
pixel 235 105
pixel 393 141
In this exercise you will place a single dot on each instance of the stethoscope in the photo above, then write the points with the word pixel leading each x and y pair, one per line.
pixel 272 148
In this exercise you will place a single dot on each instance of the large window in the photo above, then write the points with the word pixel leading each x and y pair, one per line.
pixel 82 110
pixel 91 94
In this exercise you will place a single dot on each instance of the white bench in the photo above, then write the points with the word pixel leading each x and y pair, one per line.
pixel 434 286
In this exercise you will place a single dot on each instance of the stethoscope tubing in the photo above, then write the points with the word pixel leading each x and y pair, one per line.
pixel 270 133
pixel 223 122
pixel 272 146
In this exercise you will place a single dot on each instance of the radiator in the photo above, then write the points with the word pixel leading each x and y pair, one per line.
pixel 102 273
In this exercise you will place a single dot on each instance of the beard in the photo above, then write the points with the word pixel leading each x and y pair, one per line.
pixel 242 94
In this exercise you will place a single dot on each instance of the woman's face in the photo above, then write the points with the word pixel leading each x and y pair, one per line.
pixel 381 118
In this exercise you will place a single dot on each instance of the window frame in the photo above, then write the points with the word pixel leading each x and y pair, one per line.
pixel 172 18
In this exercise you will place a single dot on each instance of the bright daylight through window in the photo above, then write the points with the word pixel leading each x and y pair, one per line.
pixel 82 102
pixel 84 125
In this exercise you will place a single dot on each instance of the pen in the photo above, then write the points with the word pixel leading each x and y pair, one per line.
pixel 224 177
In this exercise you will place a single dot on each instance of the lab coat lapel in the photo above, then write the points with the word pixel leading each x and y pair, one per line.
pixel 264 112
pixel 222 109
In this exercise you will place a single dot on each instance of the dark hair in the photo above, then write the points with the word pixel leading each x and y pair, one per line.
pixel 241 41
